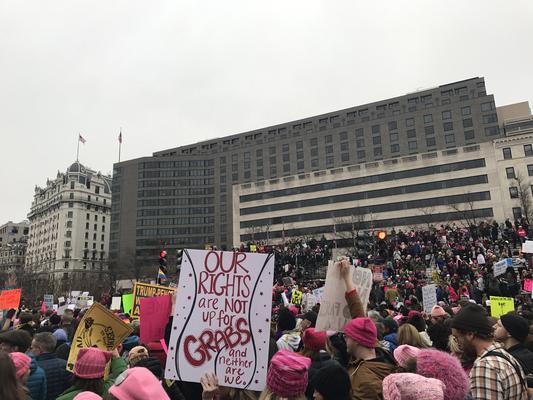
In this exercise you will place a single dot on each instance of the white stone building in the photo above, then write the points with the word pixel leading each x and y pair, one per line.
pixel 68 239
pixel 13 232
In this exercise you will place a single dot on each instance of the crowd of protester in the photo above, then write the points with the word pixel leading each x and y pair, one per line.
pixel 392 351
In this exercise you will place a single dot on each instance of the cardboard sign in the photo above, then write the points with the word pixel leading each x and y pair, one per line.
pixel 318 293
pixel 48 300
pixel 127 301
pixel 10 299
pixel 429 297
pixel 61 300
pixel 84 301
pixel 154 317
pixel 527 246
pixel 296 297
pixel 499 268
pixel 377 273
pixel 528 285
pixel 500 305
pixel 143 290
pixel 115 303
pixel 222 320
pixel 334 312
pixel 100 328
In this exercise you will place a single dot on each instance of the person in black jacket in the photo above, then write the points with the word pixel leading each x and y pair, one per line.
pixel 58 379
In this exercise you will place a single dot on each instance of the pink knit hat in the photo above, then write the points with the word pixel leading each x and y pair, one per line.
pixel 293 309
pixel 314 340
pixel 438 311
pixel 87 396
pixel 91 362
pixel 138 383
pixel 404 386
pixel 287 374
pixel 22 363
pixel 405 352
pixel 363 331
pixel 445 367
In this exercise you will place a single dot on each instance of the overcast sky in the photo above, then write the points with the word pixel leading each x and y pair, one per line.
pixel 173 72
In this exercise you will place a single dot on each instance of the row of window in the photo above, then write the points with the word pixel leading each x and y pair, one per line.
pixel 191 230
pixel 176 221
pixel 368 194
pixel 507 153
pixel 175 211
pixel 365 180
pixel 174 202
pixel 510 172
pixel 176 164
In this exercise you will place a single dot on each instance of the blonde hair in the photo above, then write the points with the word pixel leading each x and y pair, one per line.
pixel 269 395
pixel 240 394
pixel 408 334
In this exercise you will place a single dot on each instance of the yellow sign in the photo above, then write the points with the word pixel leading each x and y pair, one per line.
pixel 100 328
pixel 500 306
pixel 296 297
pixel 142 290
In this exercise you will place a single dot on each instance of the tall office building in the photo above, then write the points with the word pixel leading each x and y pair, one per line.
pixel 182 197
pixel 68 239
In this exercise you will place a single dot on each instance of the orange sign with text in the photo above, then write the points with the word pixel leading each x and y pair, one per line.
pixel 10 299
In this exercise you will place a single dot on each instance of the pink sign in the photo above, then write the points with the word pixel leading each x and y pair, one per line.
pixel 154 317
pixel 528 285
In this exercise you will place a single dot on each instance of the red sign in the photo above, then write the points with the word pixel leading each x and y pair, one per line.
pixel 10 299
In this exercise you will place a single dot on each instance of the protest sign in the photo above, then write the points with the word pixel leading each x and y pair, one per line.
pixel 377 273
pixel 61 300
pixel 48 300
pixel 318 293
pixel 296 297
pixel 115 303
pixel 100 328
pixel 55 307
pixel 528 285
pixel 429 297
pixel 154 317
pixel 499 268
pixel 84 301
pixel 9 299
pixel 75 293
pixel 143 290
pixel 527 246
pixel 500 306
pixel 334 312
pixel 222 319
pixel 127 301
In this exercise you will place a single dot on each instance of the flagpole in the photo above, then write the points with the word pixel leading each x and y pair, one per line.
pixel 119 144
pixel 78 148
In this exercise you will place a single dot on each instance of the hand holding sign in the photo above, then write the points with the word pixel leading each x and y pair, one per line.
pixel 209 385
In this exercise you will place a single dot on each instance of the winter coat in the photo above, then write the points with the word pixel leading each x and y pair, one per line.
pixel 118 365
pixel 366 377
pixel 57 377
pixel 37 381
pixel 392 341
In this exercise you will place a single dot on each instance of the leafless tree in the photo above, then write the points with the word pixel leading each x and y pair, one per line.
pixel 427 214
pixel 523 187
pixel 466 212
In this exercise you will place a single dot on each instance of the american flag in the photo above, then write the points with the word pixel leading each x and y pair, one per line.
pixel 81 139
pixel 120 138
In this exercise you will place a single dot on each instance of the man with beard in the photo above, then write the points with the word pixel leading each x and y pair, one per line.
pixel 496 375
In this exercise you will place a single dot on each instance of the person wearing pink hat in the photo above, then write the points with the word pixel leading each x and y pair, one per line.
pixel 407 386
pixel 89 370
pixel 287 377
pixel 137 383
pixel 11 387
pixel 404 353
pixel 87 396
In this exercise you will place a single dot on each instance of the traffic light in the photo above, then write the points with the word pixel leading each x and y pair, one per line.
pixel 163 261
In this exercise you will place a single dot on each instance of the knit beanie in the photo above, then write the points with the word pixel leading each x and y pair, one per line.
pixel 405 386
pixel 332 381
pixel 363 331
pixel 287 374
pixel 91 362
pixel 516 325
pixel 19 338
pixel 60 335
pixel 405 352
pixel 153 364
pixel 136 354
pixel 22 363
pixel 138 384
pixel 472 318
pixel 438 311
pixel 87 396
pixel 314 340
pixel 446 368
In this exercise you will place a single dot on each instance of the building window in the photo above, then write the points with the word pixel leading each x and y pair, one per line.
pixel 314 163
pixel 329 160
pixel 67 243
pixel 487 106
pixel 86 235
pixel 299 145
pixel 66 264
pixel 446 115
pixel 429 130
pixel 70 204
pixel 393 125
pixel 393 136
pixel 376 140
pixel 517 212
pixel 469 135
pixel 507 155
pixel 300 155
pixel 428 119
pixel 284 148
pixel 409 122
pixel 528 150
pixel 448 126
pixel 530 169
pixel 449 138
pixel 87 225
pixel 97 189
pixel 314 152
pixel 70 214
pixel 377 151
pixel 361 154
pixel 69 224
pixel 492 130
pixel 430 142
pixel 259 172
pixel 345 146
pixel 513 192
pixel 467 123
pixel 394 148
pixel 359 132
pixel 272 150
pixel 466 111
pixel 411 133
pixel 314 142
pixel 300 165
pixel 489 119
pixel 328 138
pixel 509 171
pixel 286 167
pixel 68 233
pixel 344 157
pixel 329 149
pixel 343 136
pixel 259 153
pixel 71 196
pixel 376 129
pixel 285 158
pixel 412 145
pixel 360 142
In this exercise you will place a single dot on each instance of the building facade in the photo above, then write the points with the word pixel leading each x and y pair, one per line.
pixel 68 239
pixel 183 197
pixel 13 232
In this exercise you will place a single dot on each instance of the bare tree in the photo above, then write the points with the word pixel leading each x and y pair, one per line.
pixel 466 212
pixel 427 214
pixel 523 189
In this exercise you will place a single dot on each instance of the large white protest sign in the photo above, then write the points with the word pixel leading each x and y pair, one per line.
pixel 48 300
pixel 222 319
pixel 429 297
pixel 318 293
pixel 116 302
pixel 527 246
pixel 334 312
pixel 499 268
